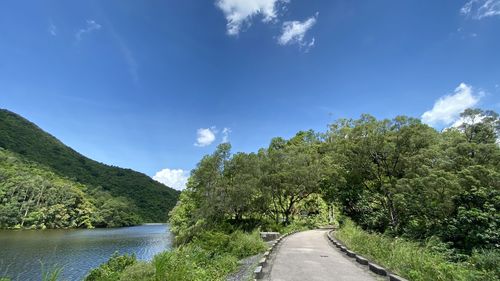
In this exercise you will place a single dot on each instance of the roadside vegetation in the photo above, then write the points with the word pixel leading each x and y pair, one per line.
pixel 399 180
pixel 211 256
pixel 429 260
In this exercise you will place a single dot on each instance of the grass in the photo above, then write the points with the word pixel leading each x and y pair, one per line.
pixel 52 274
pixel 413 260
pixel 212 255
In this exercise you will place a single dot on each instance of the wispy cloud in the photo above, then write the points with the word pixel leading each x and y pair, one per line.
pixel 52 29
pixel 225 135
pixel 126 52
pixel 130 60
pixel 239 13
pixel 91 26
pixel 205 136
pixel 479 9
pixel 174 178
pixel 294 32
pixel 447 109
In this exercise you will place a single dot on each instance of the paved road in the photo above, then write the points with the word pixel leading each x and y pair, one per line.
pixel 308 256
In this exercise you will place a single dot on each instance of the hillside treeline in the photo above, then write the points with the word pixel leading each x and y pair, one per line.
pixel 152 199
pixel 32 196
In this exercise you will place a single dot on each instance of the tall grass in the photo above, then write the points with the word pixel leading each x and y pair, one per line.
pixel 212 255
pixel 51 274
pixel 409 259
pixel 192 263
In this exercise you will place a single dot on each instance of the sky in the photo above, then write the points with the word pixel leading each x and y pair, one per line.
pixel 155 85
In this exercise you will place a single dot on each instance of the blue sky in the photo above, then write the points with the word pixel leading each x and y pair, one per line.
pixel 155 85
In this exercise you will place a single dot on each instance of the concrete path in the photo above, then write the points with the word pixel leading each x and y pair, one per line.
pixel 308 256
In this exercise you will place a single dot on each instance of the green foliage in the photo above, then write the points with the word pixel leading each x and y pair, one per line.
pixel 183 222
pixel 427 202
pixel 210 256
pixel 486 261
pixel 399 178
pixel 32 196
pixel 411 260
pixel 153 199
pixel 140 270
pixel 112 269
pixel 292 171
pixel 474 223
pixel 237 243
pixel 193 263
pixel 248 191
pixel 403 178
pixel 52 274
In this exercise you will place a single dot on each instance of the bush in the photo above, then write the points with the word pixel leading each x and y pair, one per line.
pixel 238 243
pixel 486 261
pixel 142 271
pixel 111 270
pixel 192 263
pixel 411 260
pixel 243 244
pixel 212 255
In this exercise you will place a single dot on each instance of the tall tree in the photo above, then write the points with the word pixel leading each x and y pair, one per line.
pixel 293 172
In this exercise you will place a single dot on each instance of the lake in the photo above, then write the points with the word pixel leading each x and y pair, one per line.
pixel 77 250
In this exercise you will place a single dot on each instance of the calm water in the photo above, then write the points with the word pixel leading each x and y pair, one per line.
pixel 77 251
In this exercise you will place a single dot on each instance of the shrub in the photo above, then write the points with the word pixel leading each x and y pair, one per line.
pixel 238 244
pixel 111 270
pixel 243 244
pixel 140 271
pixel 212 255
pixel 413 261
pixel 487 261
pixel 192 263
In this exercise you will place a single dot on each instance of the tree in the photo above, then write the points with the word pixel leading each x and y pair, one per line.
pixel 241 176
pixel 207 185
pixel 293 172
pixel 373 156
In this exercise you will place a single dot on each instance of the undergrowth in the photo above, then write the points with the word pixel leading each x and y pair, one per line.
pixel 418 262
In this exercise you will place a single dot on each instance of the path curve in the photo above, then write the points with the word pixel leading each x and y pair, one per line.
pixel 309 256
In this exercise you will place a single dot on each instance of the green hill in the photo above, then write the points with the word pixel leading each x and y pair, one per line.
pixel 153 199
pixel 33 196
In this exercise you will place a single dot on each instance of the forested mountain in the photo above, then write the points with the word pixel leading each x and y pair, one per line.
pixel 32 196
pixel 153 199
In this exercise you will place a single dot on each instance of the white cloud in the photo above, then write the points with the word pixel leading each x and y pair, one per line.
pixel 293 32
pixel 447 109
pixel 476 119
pixel 479 9
pixel 175 178
pixel 205 136
pixel 239 13
pixel 52 29
pixel 311 44
pixel 225 135
pixel 91 26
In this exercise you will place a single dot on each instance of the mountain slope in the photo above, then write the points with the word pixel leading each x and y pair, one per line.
pixel 153 199
pixel 32 196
